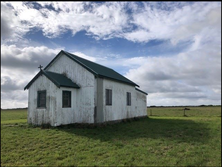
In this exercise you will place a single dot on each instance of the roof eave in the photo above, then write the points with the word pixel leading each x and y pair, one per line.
pixel 133 84
pixel 50 78
pixel 141 91
pixel 33 79
pixel 40 73
pixel 76 87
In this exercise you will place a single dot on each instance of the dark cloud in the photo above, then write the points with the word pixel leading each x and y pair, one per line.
pixel 27 58
pixel 14 63
pixel 8 85
pixel 158 75
pixel 6 31
pixel 168 86
pixel 186 95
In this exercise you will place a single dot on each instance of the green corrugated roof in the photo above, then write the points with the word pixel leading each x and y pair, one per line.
pixel 97 69
pixel 59 80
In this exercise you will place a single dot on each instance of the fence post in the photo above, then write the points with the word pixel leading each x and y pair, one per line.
pixel 150 112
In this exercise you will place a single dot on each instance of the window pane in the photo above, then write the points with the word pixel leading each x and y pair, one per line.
pixel 66 98
pixel 41 99
pixel 128 98
pixel 108 97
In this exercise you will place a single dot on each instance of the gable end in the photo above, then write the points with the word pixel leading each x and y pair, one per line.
pixel 58 79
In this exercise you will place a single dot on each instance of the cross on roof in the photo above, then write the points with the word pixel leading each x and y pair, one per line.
pixel 40 67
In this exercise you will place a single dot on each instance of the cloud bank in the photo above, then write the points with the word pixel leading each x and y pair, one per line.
pixel 191 77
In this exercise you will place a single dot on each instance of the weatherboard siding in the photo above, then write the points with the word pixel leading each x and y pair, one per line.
pixel 99 107
pixel 85 96
pixel 68 115
pixel 54 114
pixel 119 109
pixel 38 116
pixel 141 104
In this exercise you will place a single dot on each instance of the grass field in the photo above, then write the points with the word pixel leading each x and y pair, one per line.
pixel 179 111
pixel 167 140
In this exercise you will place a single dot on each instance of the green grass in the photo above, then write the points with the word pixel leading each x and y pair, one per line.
pixel 153 141
pixel 179 111
pixel 7 115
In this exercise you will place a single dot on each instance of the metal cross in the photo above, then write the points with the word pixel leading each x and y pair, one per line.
pixel 40 67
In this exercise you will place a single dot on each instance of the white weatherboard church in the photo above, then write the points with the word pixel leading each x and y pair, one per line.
pixel 71 89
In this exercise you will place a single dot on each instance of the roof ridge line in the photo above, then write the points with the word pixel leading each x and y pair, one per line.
pixel 70 55
pixel 88 60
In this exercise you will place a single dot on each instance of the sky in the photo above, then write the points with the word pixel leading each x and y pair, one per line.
pixel 171 49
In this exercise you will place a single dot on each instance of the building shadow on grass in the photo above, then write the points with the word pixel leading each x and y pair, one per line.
pixel 180 130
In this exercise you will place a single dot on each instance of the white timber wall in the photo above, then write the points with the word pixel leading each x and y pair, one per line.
pixel 53 114
pixel 141 103
pixel 119 109
pixel 63 116
pixel 85 97
pixel 38 116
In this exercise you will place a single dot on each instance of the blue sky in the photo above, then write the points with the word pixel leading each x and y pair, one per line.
pixel 171 49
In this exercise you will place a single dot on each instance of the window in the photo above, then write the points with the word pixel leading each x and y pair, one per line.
pixel 66 99
pixel 108 97
pixel 41 99
pixel 128 98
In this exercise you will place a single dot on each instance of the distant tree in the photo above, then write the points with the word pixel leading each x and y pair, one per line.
pixel 152 106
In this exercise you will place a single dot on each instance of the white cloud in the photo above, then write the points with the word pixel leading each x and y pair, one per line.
pixel 12 28
pixel 174 21
pixel 178 24
pixel 194 75
pixel 99 20
pixel 140 35
pixel 80 54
